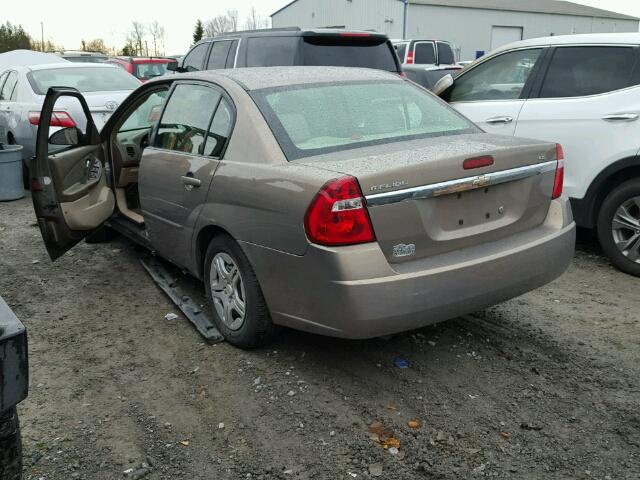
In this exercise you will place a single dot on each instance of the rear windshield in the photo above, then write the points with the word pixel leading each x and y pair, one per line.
pixel 85 79
pixel 366 52
pixel 149 70
pixel 316 119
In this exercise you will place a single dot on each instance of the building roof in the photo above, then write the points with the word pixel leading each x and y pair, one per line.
pixel 557 7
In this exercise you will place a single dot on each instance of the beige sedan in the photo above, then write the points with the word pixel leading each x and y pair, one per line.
pixel 345 202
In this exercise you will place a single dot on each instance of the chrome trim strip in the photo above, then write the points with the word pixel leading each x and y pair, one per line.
pixel 460 185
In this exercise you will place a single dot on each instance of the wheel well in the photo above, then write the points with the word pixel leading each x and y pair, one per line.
pixel 608 184
pixel 202 243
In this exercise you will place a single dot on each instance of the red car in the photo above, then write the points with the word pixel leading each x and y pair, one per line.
pixel 143 68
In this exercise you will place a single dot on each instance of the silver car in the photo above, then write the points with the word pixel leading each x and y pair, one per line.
pixel 22 91
pixel 342 201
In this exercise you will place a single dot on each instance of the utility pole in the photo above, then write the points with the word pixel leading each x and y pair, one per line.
pixel 42 36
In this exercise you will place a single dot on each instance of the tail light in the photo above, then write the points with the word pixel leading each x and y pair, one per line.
pixel 477 162
pixel 410 57
pixel 58 119
pixel 559 180
pixel 338 215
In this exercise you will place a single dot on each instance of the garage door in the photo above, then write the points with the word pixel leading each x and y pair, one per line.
pixel 503 35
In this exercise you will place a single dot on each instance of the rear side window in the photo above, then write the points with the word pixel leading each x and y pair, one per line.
pixel 318 119
pixel 499 78
pixel 445 54
pixel 186 118
pixel 219 130
pixel 231 57
pixel 364 52
pixel 218 55
pixel 272 51
pixel 195 58
pixel 580 71
pixel 424 52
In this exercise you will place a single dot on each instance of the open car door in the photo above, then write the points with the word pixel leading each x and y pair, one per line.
pixel 71 197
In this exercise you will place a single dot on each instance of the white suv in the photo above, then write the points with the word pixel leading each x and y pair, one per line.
pixel 582 91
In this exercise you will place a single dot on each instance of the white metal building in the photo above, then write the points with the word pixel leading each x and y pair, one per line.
pixel 472 25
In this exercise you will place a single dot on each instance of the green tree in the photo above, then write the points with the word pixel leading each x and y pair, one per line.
pixel 128 50
pixel 198 32
pixel 13 37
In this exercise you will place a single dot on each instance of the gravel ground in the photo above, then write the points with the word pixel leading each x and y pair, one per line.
pixel 543 386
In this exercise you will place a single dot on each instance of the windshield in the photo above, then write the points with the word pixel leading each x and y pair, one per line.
pixel 316 119
pixel 85 79
pixel 149 70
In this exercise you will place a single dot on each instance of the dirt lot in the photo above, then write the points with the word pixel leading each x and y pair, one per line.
pixel 543 386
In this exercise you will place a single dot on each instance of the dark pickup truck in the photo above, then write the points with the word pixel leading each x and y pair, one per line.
pixel 14 382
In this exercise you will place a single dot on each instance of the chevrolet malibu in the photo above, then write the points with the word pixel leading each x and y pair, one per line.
pixel 344 202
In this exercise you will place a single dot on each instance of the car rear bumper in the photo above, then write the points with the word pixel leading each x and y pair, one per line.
pixel 353 292
pixel 14 378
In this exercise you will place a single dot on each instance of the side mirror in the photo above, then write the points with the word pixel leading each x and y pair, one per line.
pixel 173 66
pixel 443 84
pixel 66 136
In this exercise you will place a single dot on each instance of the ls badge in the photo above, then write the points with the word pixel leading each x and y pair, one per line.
pixel 403 250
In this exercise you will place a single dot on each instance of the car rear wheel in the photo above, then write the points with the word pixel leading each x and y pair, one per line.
pixel 619 227
pixel 10 446
pixel 240 311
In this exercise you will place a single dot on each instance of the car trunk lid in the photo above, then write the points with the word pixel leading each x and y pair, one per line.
pixel 422 201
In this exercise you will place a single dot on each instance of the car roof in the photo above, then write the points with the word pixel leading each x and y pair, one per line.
pixel 48 66
pixel 256 78
pixel 291 31
pixel 579 39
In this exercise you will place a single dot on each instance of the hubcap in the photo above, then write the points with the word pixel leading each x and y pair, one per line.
pixel 626 229
pixel 227 291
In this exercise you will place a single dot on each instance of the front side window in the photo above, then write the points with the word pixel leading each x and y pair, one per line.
pixel 312 120
pixel 195 58
pixel 580 71
pixel 424 53
pixel 8 90
pixel 218 55
pixel 85 78
pixel 185 121
pixel 145 115
pixel 500 78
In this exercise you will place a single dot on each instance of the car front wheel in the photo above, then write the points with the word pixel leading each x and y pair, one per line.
pixel 240 311
pixel 10 446
pixel 619 227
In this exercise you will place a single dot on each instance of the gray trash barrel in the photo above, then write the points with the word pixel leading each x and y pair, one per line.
pixel 11 186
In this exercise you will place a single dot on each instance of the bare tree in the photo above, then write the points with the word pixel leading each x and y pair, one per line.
pixel 157 33
pixel 136 36
pixel 254 21
pixel 222 24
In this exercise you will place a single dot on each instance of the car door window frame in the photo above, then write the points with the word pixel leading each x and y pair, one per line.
pixel 223 94
pixel 213 45
pixel 5 83
pixel 536 89
pixel 534 78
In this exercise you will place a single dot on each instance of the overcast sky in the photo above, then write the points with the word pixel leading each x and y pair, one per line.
pixel 67 22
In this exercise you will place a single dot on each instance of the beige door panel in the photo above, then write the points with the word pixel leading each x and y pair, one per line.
pixel 91 210
pixel 70 171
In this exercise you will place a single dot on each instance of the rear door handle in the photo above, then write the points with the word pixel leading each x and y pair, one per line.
pixel 621 117
pixel 500 119
pixel 190 182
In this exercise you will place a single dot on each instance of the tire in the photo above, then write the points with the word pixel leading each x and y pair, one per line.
pixel 624 198
pixel 10 446
pixel 253 329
